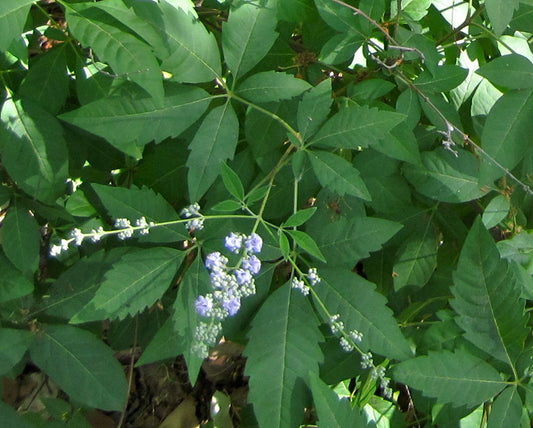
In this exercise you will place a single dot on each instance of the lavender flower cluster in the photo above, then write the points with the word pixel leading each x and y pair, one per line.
pixel 229 285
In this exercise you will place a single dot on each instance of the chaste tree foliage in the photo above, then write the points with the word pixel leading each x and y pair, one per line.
pixel 343 188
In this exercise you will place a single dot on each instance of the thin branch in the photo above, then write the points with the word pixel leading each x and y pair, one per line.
pixel 450 127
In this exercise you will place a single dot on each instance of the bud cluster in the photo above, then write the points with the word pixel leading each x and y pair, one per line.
pixel 229 284
pixel 312 278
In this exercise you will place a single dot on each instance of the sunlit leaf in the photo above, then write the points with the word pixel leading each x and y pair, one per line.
pixel 13 15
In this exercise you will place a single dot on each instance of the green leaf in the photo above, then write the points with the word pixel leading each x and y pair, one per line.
pixel 130 123
pixel 500 13
pixel 337 174
pixel 511 71
pixel 347 241
pixel 445 177
pixel 47 82
pixel 13 14
pixel 164 345
pixel 11 418
pixel 336 16
pixel 295 11
pixel 506 410
pixel 282 350
pixel 459 378
pixel 314 108
pixel 443 79
pixel 508 125
pixel 284 245
pixel 332 410
pixel 81 365
pixel 271 86
pixel 196 282
pixel 248 35
pixel 400 143
pixel 496 211
pixel 487 298
pixel 214 142
pixel 21 239
pixel 340 48
pixel 127 55
pixel 13 346
pixel 194 54
pixel 416 259
pixel 13 284
pixel 408 104
pixel 76 286
pixel 227 206
pixel 355 127
pixel 135 282
pixel 306 243
pixel 299 217
pixel 363 309
pixel 232 182
pixel 134 203
pixel 34 151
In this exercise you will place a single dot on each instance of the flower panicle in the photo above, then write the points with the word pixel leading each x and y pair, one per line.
pixel 124 229
pixel 229 284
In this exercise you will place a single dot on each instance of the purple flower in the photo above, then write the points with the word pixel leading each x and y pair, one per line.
pixel 204 304
pixel 252 263
pixel 233 242
pixel 232 305
pixel 253 243
pixel 215 261
pixel 243 276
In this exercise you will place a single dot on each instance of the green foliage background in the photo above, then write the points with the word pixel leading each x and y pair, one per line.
pixel 386 143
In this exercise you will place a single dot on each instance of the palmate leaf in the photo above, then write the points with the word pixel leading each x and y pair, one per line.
pixel 126 54
pixel 81 365
pixel 136 281
pixel 21 239
pixel 487 298
pixel 508 125
pixel 362 308
pixel 248 35
pixel 134 203
pixel 337 174
pixel 356 126
pixel 13 14
pixel 347 241
pixel 270 86
pixel 282 350
pixel 34 149
pixel 214 142
pixel 130 123
pixel 458 378
pixel 334 412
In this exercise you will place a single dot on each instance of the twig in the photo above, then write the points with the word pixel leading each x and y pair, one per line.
pixel 130 372
pixel 450 127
